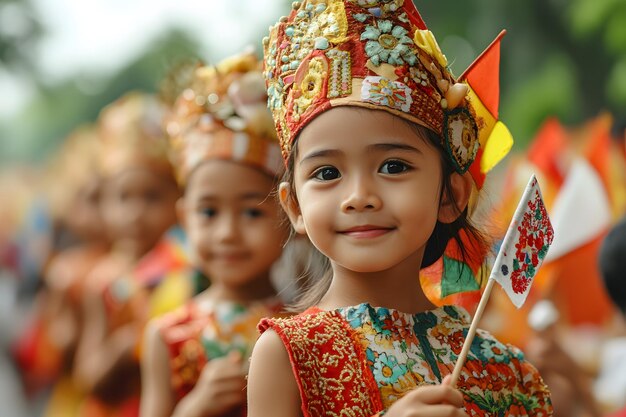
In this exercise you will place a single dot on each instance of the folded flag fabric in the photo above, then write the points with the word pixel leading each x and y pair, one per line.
pixel 525 245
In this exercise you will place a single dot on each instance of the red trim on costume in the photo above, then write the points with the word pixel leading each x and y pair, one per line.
pixel 328 363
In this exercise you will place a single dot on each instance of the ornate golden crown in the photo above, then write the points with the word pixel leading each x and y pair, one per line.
pixel 222 114
pixel 369 53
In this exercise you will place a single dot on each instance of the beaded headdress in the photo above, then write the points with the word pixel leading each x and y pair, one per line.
pixel 222 114
pixel 132 135
pixel 378 54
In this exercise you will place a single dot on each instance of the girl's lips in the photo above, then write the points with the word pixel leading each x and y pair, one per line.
pixel 367 231
pixel 229 257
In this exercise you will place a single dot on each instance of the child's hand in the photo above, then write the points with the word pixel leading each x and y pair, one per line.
pixel 547 355
pixel 430 401
pixel 221 386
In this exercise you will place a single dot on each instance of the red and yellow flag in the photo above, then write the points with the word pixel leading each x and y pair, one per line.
pixel 483 79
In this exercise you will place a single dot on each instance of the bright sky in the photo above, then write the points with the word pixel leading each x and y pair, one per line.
pixel 103 35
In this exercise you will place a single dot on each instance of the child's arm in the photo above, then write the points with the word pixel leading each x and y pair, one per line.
pixel 61 312
pixel 63 327
pixel 101 356
pixel 272 388
pixel 157 399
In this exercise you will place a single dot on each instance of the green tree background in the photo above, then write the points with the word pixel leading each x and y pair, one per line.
pixel 564 58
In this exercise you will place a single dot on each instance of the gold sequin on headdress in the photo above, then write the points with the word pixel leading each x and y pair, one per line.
pixel 222 114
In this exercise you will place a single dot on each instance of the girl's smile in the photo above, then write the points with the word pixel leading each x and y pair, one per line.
pixel 230 256
pixel 366 231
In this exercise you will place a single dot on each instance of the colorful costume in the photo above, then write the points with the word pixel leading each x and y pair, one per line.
pixel 160 282
pixel 364 358
pixel 219 115
pixel 195 334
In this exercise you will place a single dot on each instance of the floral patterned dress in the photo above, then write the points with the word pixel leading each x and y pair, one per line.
pixel 364 358
pixel 195 334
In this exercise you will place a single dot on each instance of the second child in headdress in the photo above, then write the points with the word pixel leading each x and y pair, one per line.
pixel 228 161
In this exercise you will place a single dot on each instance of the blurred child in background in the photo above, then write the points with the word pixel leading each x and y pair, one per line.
pixel 228 159
pixel 138 207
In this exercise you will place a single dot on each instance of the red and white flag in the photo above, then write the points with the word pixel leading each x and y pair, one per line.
pixel 525 245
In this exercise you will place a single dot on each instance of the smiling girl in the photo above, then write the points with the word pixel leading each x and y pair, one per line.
pixel 378 139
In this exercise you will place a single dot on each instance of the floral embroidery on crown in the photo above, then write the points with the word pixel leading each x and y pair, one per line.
pixel 369 53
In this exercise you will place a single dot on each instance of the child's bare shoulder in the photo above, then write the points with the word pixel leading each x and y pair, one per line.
pixel 272 387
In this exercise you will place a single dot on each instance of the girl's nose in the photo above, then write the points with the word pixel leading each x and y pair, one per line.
pixel 362 196
pixel 135 210
pixel 227 228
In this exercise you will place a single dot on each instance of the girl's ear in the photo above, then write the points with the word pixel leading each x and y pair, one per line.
pixel 461 189
pixel 290 205
pixel 180 212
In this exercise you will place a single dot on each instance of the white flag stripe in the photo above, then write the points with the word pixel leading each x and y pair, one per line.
pixel 582 193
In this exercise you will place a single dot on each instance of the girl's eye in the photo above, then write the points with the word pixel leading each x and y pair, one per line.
pixel 208 212
pixel 393 167
pixel 152 196
pixel 327 174
pixel 253 213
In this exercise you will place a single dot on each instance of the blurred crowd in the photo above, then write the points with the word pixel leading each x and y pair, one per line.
pixel 92 250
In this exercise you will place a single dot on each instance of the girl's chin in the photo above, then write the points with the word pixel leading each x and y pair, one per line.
pixel 365 267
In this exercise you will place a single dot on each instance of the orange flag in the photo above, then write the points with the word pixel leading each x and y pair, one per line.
pixel 547 150
pixel 483 78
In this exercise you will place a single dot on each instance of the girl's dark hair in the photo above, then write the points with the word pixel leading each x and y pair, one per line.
pixel 612 263
pixel 316 284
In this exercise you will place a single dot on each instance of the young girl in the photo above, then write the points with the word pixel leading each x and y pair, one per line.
pixel 378 138
pixel 49 341
pixel 228 158
pixel 138 207
pixel 78 209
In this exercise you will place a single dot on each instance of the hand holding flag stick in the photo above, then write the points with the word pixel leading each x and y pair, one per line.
pixel 523 249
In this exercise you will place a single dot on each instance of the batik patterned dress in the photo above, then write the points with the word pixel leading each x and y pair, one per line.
pixel 362 359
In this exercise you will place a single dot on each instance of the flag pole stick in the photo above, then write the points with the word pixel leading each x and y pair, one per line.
pixel 471 332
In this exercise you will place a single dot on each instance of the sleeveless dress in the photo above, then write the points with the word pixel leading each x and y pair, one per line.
pixel 194 334
pixel 359 360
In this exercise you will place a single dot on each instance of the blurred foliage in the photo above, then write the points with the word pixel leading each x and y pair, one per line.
pixel 19 33
pixel 565 58
pixel 59 108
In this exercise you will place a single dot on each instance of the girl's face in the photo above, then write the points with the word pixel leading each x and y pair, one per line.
pixel 367 188
pixel 234 225
pixel 139 205
pixel 85 218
